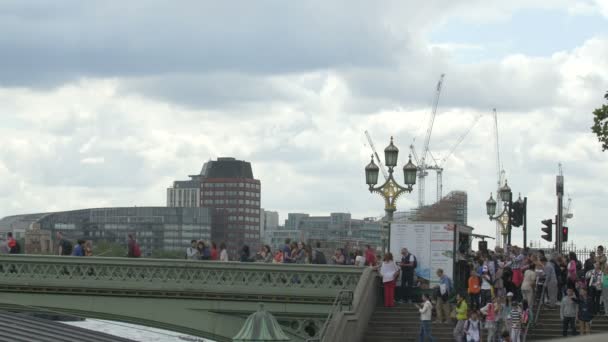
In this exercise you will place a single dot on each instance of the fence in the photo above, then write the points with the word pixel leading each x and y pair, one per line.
pixel 582 253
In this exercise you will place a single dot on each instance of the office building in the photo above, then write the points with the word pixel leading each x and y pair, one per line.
pixel 185 193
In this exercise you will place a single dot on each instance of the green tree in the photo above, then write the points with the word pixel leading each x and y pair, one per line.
pixel 109 249
pixel 600 124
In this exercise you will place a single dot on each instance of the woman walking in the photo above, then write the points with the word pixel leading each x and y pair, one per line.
pixel 462 310
pixel 389 272
pixel 426 312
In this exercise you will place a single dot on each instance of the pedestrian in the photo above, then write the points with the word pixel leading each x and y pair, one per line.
pixel 88 248
pixel 192 251
pixel 528 284
pixel 461 317
pixel 12 244
pixel 264 255
pixel 287 251
pixel 472 328
pixel 491 311
pixel 223 252
pixel 506 336
pixel 4 249
pixel 389 272
pixel 408 267
pixel 318 257
pixel 585 312
pixel 133 249
pixel 64 246
pixel 550 282
pixel 486 286
pixel 214 253
pixel 245 255
pixel 572 275
pixel 338 258
pixel 426 312
pixel 474 290
pixel 445 289
pixel 595 288
pixel 589 263
pixel 370 256
pixel 79 248
pixel 601 258
pixel 299 255
pixel 568 311
pixel 516 322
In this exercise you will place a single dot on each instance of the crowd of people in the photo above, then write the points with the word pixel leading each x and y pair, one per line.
pixel 503 289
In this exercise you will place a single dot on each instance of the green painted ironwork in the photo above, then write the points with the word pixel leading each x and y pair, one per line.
pixel 261 326
pixel 182 295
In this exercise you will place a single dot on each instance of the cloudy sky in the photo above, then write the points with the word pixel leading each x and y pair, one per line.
pixel 106 103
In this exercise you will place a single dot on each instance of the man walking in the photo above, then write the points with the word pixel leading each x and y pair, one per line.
pixel 443 306
pixel 426 311
pixel 550 281
pixel 64 245
pixel 408 266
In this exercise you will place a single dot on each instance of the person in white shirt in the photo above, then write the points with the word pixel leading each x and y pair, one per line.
pixel 389 272
pixel 426 312
pixel 223 252
pixel 192 252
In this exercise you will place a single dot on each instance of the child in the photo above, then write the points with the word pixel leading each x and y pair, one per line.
pixel 491 311
pixel 585 314
pixel 516 318
pixel 567 312
pixel 472 328
pixel 474 290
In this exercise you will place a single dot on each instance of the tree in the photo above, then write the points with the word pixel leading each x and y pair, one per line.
pixel 600 124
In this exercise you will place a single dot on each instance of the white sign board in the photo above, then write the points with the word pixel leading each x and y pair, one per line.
pixel 431 243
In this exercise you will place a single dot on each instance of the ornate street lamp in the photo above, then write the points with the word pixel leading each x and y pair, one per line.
pixel 390 190
pixel 504 218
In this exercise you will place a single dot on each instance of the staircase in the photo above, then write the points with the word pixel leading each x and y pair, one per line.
pixel 549 326
pixel 402 323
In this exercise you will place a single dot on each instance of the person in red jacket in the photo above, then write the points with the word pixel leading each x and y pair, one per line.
pixel 370 256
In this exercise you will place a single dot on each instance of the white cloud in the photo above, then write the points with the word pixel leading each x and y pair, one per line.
pixel 120 138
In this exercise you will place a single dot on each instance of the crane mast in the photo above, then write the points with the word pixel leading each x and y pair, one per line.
pixel 501 179
pixel 422 168
pixel 371 144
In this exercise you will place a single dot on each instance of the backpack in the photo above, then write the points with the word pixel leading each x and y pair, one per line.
pixel 415 263
pixel 136 250
pixel 66 247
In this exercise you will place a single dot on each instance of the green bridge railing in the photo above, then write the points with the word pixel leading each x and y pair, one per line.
pixel 176 278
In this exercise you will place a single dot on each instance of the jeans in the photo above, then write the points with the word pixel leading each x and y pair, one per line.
pixel 474 298
pixel 596 296
pixel 569 321
pixel 486 297
pixel 425 331
pixel 515 335
pixel 552 292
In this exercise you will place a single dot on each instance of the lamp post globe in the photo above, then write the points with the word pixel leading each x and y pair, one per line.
pixel 505 193
pixel 371 173
pixel 391 153
pixel 409 172
pixel 491 207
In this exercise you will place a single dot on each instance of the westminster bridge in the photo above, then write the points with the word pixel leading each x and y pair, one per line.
pixel 205 299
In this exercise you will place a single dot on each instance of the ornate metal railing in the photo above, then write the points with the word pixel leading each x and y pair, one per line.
pixel 176 278
pixel 342 300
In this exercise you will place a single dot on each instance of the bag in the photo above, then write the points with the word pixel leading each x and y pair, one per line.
pixel 136 250
pixel 415 262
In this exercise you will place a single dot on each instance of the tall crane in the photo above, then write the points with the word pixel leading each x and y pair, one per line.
pixel 500 182
pixel 439 167
pixel 371 144
pixel 567 213
pixel 422 164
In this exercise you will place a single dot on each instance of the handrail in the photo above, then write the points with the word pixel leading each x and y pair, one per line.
pixel 344 297
pixel 538 307
pixel 140 276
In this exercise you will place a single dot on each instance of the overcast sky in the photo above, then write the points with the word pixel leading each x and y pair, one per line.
pixel 106 103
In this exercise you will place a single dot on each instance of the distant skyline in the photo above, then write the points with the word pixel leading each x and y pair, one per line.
pixel 106 103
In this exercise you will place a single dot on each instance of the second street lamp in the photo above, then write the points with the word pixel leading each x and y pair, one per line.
pixel 390 190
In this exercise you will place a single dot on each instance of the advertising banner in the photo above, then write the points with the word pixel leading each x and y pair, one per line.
pixel 431 243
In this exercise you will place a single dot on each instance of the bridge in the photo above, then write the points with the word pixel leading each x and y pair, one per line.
pixel 205 299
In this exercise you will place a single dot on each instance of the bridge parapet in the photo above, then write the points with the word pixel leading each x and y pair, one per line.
pixel 176 278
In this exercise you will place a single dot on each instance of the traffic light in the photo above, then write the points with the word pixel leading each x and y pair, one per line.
pixel 547 229
pixel 517 214
pixel 564 234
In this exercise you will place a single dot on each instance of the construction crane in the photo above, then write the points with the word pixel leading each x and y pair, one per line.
pixel 501 180
pixel 371 144
pixel 422 164
pixel 439 167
